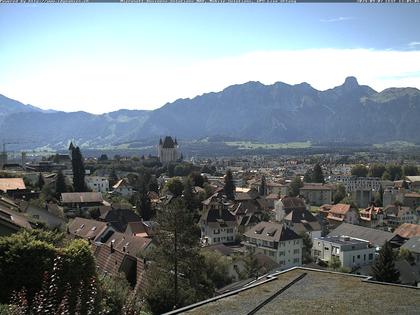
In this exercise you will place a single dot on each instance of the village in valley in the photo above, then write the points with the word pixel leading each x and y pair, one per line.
pixel 175 231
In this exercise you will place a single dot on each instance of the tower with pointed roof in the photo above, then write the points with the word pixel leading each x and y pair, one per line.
pixel 168 150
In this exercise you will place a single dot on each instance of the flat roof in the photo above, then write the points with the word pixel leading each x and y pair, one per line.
pixel 317 292
pixel 340 240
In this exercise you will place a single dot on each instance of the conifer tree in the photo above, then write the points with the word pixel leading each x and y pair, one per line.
pixel 295 185
pixel 317 176
pixel 113 178
pixel 229 188
pixel 384 266
pixel 41 181
pixel 60 184
pixel 263 186
pixel 78 170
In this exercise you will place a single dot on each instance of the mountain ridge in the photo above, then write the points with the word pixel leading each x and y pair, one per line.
pixel 275 113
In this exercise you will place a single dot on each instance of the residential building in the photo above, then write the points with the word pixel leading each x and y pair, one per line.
pixel 408 230
pixel 122 188
pixel 411 199
pixel 340 213
pixel 118 216
pixel 81 201
pixel 397 215
pixel 413 245
pixel 413 182
pixel 285 205
pixel 317 193
pixel 350 251
pixel 353 183
pixel 276 241
pixel 7 184
pixel 12 222
pixel 303 221
pixel 372 217
pixel 97 183
pixel 218 225
pixel 168 150
pixel 376 237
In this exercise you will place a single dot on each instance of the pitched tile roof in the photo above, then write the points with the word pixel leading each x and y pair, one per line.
pixel 408 230
pixel 82 197
pixel 293 203
pixel 340 208
pixel 272 232
pixel 86 228
pixel 14 218
pixel 11 184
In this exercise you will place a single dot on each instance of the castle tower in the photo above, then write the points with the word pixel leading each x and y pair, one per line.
pixel 168 150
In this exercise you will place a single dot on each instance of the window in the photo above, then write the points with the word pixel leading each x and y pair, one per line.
pixel 296 260
pixel 217 231
pixel 358 256
pixel 296 251
pixel 281 253
pixel 281 262
pixel 370 256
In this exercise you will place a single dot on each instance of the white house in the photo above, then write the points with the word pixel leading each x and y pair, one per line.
pixel 97 183
pixel 218 225
pixel 351 252
pixel 275 241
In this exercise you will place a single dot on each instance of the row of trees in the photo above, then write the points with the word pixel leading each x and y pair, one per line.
pixel 385 171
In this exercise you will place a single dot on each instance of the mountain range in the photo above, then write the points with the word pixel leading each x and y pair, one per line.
pixel 277 113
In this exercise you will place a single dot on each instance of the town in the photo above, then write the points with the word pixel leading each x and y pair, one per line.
pixel 162 232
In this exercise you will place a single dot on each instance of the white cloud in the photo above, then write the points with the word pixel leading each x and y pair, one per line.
pixel 100 86
pixel 338 19
pixel 413 44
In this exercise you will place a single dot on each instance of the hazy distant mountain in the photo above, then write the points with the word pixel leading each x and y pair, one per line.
pixel 269 113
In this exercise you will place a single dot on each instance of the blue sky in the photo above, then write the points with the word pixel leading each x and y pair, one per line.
pixel 103 57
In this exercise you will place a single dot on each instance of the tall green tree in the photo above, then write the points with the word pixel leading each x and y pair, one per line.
pixel 175 186
pixel 143 204
pixel 178 276
pixel 263 186
pixel 340 193
pixel 294 187
pixel 376 170
pixel 410 170
pixel 229 188
pixel 306 249
pixel 78 167
pixel 317 175
pixel 60 183
pixel 41 181
pixel 395 171
pixel 383 268
pixel 307 178
pixel 359 170
pixel 113 178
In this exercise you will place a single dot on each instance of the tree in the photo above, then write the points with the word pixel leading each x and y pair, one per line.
pixel 229 188
pixel 78 167
pixel 317 176
pixel 383 268
pixel 178 276
pixel 143 204
pixel 41 181
pixel 386 176
pixel 113 178
pixel 60 184
pixel 197 179
pixel 359 170
pixel 379 195
pixel 405 254
pixel 262 189
pixel 307 178
pixel 295 185
pixel 395 171
pixel 410 170
pixel 217 268
pixel 376 170
pixel 340 194
pixel 334 263
pixel 175 186
pixel 252 269
pixel 307 247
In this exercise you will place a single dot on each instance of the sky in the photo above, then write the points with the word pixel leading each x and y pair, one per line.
pixel 104 57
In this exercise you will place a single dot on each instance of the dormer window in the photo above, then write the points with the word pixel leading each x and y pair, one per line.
pixel 259 231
